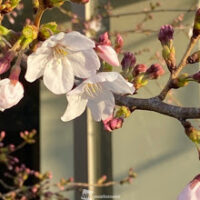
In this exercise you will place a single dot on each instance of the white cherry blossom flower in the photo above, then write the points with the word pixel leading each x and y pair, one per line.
pixel 11 92
pixel 60 58
pixel 97 94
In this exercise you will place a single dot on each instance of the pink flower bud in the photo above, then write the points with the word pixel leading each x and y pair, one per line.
pixel 138 69
pixel 165 34
pixel 196 77
pixel 108 54
pixel 112 123
pixel 104 39
pixel 154 71
pixel 116 123
pixel 128 61
pixel 2 135
pixel 6 61
pixel 191 191
pixel 119 43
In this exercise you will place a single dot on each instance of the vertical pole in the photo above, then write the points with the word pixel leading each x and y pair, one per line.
pixel 92 145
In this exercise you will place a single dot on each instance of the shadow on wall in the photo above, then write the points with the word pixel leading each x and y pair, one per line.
pixel 119 3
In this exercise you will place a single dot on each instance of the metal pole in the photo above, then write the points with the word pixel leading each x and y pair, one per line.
pixel 92 145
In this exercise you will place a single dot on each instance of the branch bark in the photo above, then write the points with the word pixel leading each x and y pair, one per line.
pixel 156 105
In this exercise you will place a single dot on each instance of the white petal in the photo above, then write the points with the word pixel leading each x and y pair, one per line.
pixel 35 66
pixel 76 41
pixel 102 106
pixel 108 54
pixel 76 106
pixel 119 85
pixel 84 63
pixel 10 93
pixel 185 194
pixel 53 40
pixel 58 76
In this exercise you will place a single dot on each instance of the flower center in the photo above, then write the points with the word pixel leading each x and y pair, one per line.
pixel 93 89
pixel 59 51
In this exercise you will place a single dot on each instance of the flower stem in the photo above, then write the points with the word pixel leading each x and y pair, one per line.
pixel 39 16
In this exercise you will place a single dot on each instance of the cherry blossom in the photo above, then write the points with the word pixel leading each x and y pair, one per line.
pixel 60 58
pixel 97 94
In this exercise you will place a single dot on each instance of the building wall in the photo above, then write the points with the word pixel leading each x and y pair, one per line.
pixel 154 145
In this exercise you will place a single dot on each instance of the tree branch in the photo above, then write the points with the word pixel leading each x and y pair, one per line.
pixel 156 105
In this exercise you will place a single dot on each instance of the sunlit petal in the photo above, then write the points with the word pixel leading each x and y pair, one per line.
pixel 76 106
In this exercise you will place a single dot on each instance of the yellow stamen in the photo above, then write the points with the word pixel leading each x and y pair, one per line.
pixel 93 89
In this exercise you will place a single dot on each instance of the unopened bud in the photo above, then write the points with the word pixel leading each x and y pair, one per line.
pixel 138 69
pixel 119 43
pixel 128 61
pixel 166 34
pixel 30 32
pixel 123 112
pixel 47 30
pixel 196 77
pixel 191 132
pixel 104 39
pixel 166 38
pixel 102 180
pixel 140 81
pixel 180 81
pixel 112 123
pixel 168 54
pixel 194 58
pixel 116 123
pixel 154 71
pixel 196 27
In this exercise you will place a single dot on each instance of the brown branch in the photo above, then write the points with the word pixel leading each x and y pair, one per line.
pixel 156 105
pixel 150 11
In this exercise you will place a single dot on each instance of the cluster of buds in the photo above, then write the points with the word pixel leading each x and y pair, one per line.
pixel 139 74
pixel 9 6
pixel 28 136
pixel 166 38
pixel 130 177
pixel 64 182
pixel 22 174
pixel 181 81
pixel 105 50
pixel 143 74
